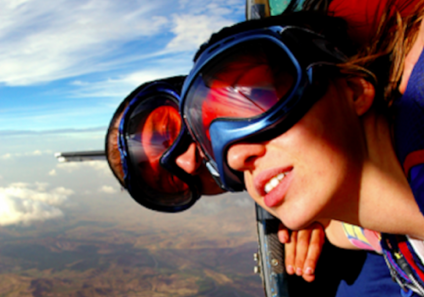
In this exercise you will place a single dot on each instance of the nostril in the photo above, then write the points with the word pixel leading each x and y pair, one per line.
pixel 242 156
pixel 250 160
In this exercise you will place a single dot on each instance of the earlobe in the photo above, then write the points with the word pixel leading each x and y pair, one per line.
pixel 363 94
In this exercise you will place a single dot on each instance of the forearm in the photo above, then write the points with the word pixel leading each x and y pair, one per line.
pixel 352 237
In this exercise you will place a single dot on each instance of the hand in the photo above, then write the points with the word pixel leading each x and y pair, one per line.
pixel 302 249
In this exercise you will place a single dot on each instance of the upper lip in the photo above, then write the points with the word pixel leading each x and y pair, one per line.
pixel 264 177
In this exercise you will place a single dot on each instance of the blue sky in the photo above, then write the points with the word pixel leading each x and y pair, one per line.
pixel 66 64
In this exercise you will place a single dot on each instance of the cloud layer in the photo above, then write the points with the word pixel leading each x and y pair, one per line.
pixel 9 156
pixel 100 166
pixel 22 203
pixel 107 190
pixel 46 41
pixel 70 62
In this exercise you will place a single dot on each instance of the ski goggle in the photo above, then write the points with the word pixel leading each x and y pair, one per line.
pixel 151 136
pixel 252 85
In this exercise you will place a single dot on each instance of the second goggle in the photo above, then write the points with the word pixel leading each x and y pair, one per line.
pixel 149 131
pixel 254 83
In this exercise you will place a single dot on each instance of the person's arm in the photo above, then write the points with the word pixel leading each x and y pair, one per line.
pixel 302 249
pixel 352 237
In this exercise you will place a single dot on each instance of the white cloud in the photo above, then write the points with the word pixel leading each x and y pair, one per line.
pixel 41 186
pixel 108 190
pixel 37 153
pixel 189 29
pixel 199 19
pixel 34 153
pixel 6 156
pixel 74 166
pixel 23 203
pixel 49 40
pixel 19 185
pixel 188 36
pixel 15 3
pixel 122 86
pixel 52 172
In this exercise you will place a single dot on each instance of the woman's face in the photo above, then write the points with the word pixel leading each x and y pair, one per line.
pixel 159 131
pixel 191 162
pixel 312 171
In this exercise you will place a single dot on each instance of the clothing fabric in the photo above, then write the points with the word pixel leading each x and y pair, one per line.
pixel 406 255
pixel 409 131
pixel 373 280
pixel 347 273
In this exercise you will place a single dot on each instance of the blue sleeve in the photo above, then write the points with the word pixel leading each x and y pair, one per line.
pixel 409 131
pixel 416 181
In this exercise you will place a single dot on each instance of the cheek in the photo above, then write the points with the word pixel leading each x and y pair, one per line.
pixel 320 168
pixel 322 143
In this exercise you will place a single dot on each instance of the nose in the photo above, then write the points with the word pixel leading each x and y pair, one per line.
pixel 242 156
pixel 190 160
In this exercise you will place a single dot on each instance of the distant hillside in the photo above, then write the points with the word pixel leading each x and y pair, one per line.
pixel 204 252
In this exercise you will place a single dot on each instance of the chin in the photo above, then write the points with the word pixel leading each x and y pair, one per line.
pixel 295 222
pixel 295 226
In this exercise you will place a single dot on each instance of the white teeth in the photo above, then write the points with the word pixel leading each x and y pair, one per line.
pixel 274 182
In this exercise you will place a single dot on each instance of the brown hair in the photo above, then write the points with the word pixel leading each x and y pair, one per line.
pixel 383 35
pixel 383 56
pixel 379 57
pixel 113 155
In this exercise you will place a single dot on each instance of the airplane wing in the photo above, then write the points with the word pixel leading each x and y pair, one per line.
pixel 81 156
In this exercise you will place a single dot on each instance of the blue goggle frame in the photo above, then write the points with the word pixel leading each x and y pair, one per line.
pixel 312 50
pixel 167 160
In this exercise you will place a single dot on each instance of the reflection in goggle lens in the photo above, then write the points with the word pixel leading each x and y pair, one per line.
pixel 243 83
pixel 153 127
pixel 158 132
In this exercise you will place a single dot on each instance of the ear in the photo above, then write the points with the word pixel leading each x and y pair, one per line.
pixel 363 94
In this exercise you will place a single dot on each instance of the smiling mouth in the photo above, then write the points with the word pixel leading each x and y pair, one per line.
pixel 273 185
pixel 274 182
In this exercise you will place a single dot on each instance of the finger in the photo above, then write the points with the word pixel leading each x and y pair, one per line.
pixel 315 247
pixel 308 278
pixel 290 253
pixel 302 247
pixel 283 233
